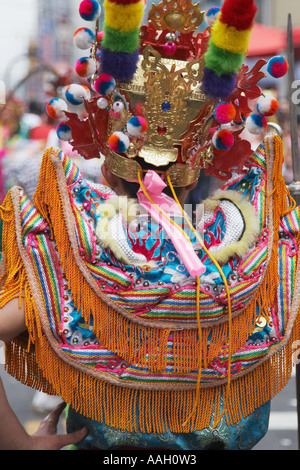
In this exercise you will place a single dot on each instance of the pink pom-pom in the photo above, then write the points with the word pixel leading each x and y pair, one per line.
pixel 100 37
pixel 223 139
pixel 267 106
pixel 224 113
pixel 104 84
pixel 277 66
pixel 89 10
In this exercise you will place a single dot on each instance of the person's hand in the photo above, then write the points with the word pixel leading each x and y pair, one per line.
pixel 46 438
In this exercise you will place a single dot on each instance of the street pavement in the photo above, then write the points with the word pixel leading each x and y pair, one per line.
pixel 282 434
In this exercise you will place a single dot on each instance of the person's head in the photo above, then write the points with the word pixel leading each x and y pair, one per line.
pixel 125 188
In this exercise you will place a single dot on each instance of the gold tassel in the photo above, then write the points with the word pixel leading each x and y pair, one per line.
pixel 158 409
pixel 113 324
pixel 13 278
pixel 19 354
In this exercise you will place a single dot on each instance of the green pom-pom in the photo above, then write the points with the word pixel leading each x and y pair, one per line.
pixel 221 61
pixel 118 41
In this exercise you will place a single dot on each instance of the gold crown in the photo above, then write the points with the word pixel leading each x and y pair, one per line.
pixel 166 91
pixel 172 103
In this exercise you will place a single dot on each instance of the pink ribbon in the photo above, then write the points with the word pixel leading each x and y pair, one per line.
pixel 154 186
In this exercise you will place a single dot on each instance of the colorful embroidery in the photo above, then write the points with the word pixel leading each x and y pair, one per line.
pixel 145 331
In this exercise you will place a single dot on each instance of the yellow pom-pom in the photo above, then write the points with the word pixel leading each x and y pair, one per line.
pixel 230 39
pixel 125 18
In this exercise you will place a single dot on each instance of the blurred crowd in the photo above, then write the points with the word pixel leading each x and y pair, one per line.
pixel 26 131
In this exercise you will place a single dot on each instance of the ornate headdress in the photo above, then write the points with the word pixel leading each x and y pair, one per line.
pixel 175 97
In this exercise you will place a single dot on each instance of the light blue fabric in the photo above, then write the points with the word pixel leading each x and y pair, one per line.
pixel 243 435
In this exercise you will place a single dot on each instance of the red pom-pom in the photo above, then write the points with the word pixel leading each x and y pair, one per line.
pixel 223 139
pixel 239 14
pixel 224 113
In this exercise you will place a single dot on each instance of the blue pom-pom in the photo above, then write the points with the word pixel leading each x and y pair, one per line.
pixel 121 65
pixel 211 15
pixel 76 94
pixel 256 124
pixel 216 87
pixel 64 132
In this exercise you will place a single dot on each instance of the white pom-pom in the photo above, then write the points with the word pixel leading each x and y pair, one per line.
pixel 77 94
pixel 84 38
pixel 211 15
pixel 56 108
pixel 119 142
pixel 267 105
pixel 256 124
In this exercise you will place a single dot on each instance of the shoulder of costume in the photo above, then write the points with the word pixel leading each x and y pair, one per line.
pixel 65 170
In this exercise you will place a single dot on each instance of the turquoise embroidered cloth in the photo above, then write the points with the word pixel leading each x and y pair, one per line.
pixel 243 435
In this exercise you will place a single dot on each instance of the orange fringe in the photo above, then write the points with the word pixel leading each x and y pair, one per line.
pixel 41 368
pixel 13 279
pixel 19 355
pixel 158 409
pixel 114 326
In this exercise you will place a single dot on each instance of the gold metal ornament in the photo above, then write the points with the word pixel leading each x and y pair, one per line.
pixel 181 175
pixel 176 15
pixel 169 91
pixel 121 166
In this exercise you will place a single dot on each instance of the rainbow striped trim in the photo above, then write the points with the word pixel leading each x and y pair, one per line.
pixel 44 260
pixel 89 356
pixel 31 220
pixel 72 172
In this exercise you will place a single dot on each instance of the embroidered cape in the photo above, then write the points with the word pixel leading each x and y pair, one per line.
pixel 111 310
